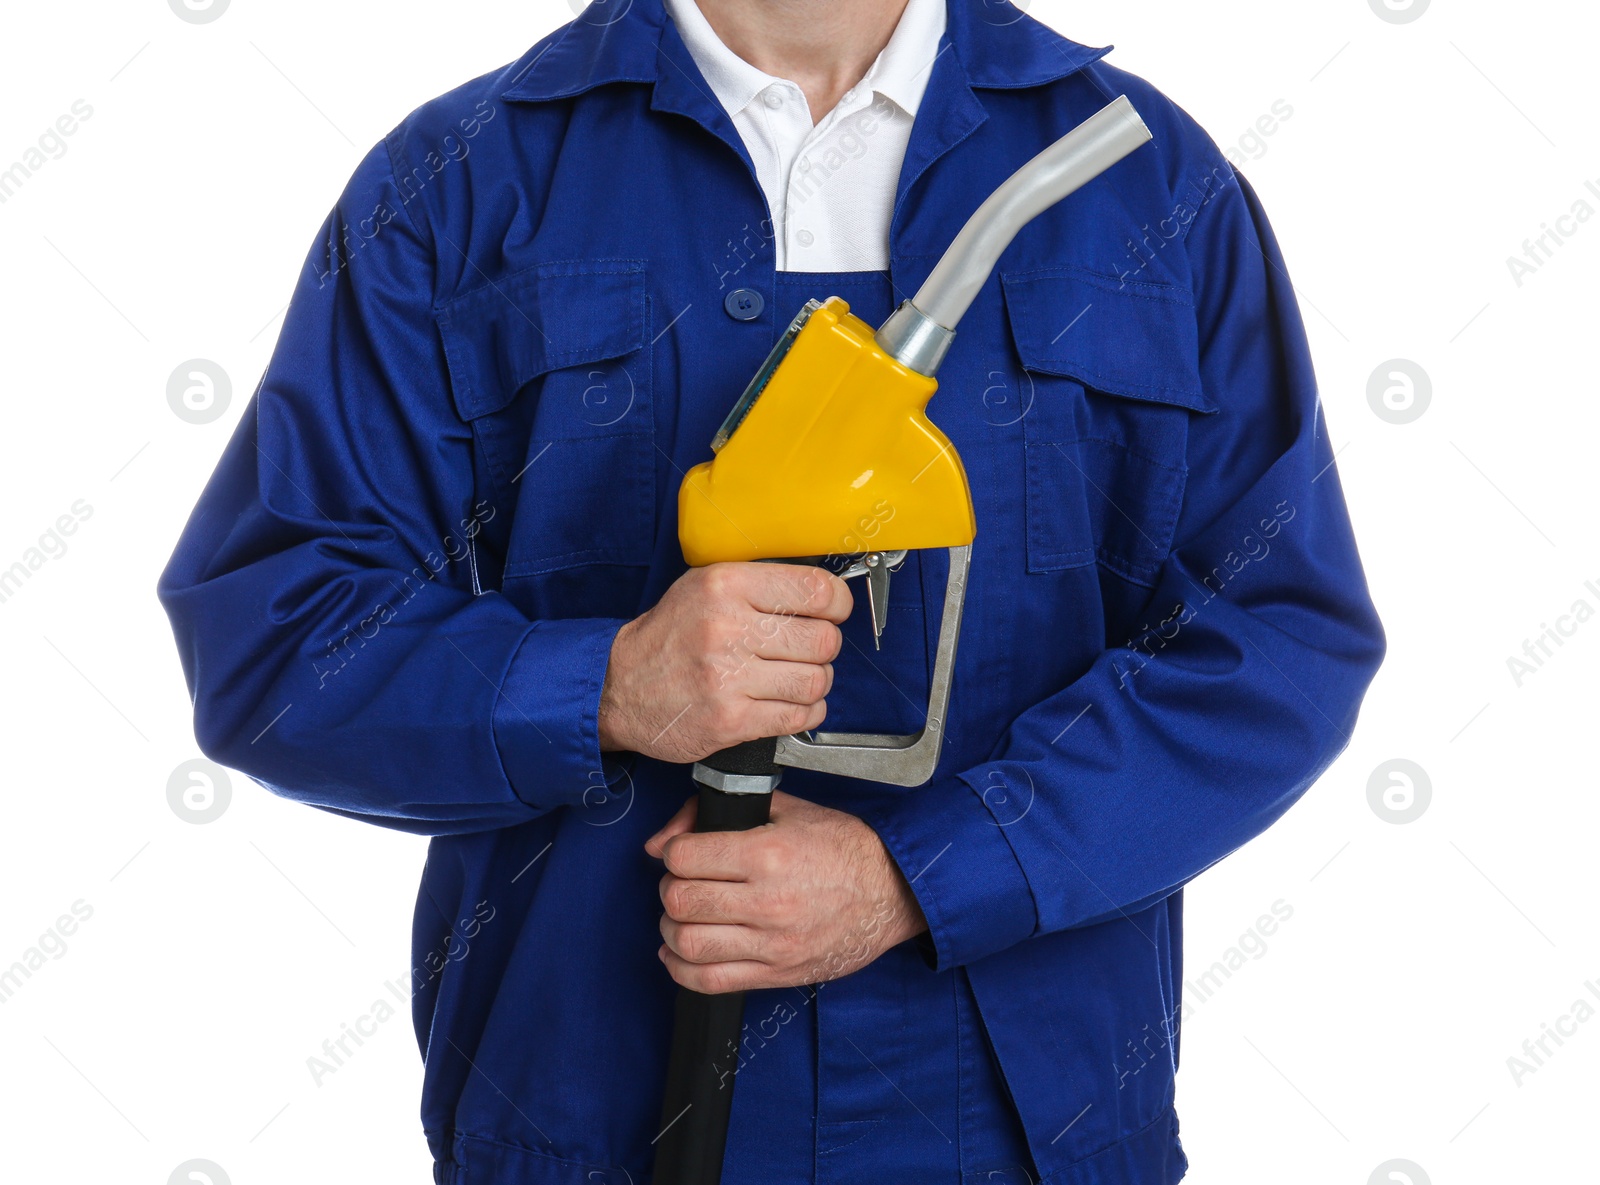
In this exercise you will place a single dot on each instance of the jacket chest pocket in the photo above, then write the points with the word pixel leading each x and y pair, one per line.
pixel 1112 376
pixel 551 366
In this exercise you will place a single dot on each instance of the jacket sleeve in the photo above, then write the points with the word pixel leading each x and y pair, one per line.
pixel 1173 750
pixel 323 592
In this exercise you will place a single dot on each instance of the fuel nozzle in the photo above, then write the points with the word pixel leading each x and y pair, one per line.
pixel 919 332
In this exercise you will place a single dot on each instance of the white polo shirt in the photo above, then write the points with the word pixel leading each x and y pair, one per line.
pixel 830 188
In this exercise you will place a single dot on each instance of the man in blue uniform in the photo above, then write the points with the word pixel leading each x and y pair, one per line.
pixel 435 584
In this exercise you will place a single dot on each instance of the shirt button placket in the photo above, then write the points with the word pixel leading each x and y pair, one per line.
pixel 744 304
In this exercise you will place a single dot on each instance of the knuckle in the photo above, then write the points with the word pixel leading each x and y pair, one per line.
pixel 756 856
pixel 785 946
pixel 717 581
pixel 795 687
pixel 691 945
pixel 784 633
pixel 816 640
pixel 831 641
pixel 769 858
pixel 671 855
pixel 720 634
pixel 674 898
pixel 796 914
pixel 839 597
pixel 711 672
pixel 766 628
pixel 726 718
pixel 703 640
pixel 712 846
pixel 819 679
pixel 823 591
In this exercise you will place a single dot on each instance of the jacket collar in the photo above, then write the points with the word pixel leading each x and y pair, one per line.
pixel 998 45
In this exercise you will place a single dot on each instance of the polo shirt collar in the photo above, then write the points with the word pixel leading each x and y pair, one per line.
pixel 899 72
pixel 733 80
pixel 998 46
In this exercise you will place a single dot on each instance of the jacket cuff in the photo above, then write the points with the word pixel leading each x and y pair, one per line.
pixel 955 855
pixel 546 719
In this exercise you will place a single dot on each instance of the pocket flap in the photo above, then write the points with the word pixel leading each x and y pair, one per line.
pixel 505 333
pixel 1134 339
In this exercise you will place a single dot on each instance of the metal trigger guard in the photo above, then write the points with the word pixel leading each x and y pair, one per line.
pixel 894 760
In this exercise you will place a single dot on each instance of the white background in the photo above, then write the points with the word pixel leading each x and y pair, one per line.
pixel 1377 1024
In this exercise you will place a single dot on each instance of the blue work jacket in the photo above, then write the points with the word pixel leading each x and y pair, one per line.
pixel 396 597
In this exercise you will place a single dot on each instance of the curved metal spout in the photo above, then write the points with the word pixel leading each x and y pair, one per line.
pixel 919 332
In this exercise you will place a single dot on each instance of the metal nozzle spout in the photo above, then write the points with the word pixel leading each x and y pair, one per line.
pixel 919 332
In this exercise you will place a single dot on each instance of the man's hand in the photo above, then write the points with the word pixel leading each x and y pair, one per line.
pixel 732 652
pixel 811 896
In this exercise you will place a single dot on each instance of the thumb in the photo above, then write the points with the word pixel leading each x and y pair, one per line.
pixel 680 823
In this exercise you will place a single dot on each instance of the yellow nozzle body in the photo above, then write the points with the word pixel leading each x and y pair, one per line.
pixel 836 456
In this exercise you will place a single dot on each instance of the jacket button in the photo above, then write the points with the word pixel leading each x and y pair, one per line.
pixel 744 304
